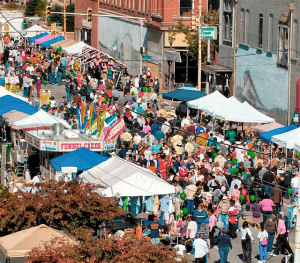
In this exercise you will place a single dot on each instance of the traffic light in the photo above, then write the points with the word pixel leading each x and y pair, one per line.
pixel 89 15
pixel 48 12
pixel 195 22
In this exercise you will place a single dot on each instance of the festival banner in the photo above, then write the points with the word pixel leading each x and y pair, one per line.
pixel 115 130
pixel 44 97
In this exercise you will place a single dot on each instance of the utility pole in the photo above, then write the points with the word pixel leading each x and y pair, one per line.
pixel 3 162
pixel 234 47
pixel 199 45
pixel 291 40
pixel 297 234
pixel 65 19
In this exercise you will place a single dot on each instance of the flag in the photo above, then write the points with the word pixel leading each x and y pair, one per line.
pixel 78 117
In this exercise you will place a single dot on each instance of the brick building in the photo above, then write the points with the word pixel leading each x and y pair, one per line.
pixel 140 43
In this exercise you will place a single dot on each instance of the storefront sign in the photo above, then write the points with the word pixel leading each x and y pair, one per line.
pixel 32 140
pixel 51 146
pixel 44 97
pixel 91 145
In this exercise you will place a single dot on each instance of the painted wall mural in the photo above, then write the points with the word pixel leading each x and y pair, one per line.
pixel 121 40
pixel 261 83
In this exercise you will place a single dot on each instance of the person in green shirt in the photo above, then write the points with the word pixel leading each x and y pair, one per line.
pixel 231 135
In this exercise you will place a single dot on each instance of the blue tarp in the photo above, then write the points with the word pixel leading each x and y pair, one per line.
pixel 47 44
pixel 33 39
pixel 9 103
pixel 268 135
pixel 82 158
pixel 184 94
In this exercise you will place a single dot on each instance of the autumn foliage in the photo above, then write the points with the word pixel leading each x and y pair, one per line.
pixel 63 206
pixel 94 250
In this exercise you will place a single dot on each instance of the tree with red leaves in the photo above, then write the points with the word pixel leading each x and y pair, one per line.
pixel 63 206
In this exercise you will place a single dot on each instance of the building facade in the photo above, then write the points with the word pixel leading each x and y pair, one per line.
pixel 264 75
pixel 140 38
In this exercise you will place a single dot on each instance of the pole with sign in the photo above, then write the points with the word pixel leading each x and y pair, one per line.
pixel 209 32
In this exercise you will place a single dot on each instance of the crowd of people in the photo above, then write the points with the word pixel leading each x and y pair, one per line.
pixel 220 177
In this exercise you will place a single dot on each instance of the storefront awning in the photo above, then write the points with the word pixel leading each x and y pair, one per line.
pixel 216 69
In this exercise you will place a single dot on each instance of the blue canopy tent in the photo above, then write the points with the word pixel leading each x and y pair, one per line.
pixel 267 136
pixel 9 103
pixel 33 39
pixel 83 158
pixel 47 44
pixel 184 94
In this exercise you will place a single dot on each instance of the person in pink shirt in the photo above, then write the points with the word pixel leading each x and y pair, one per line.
pixel 211 224
pixel 235 192
pixel 267 205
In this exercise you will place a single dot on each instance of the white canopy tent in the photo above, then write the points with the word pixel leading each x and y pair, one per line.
pixel 122 178
pixel 297 146
pixel 207 102
pixel 287 139
pixel 76 48
pixel 39 119
pixel 4 92
pixel 34 30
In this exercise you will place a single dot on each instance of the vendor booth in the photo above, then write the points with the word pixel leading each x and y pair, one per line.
pixel 76 161
pixel 122 178
pixel 206 102
pixel 47 44
pixel 9 103
pixel 17 246
pixel 184 94
pixel 33 39
pixel 287 139
pixel 267 136
pixel 34 31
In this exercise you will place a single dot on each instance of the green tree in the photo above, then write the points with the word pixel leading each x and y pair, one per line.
pixel 191 37
pixel 56 18
pixel 30 7
pixel 70 19
pixel 41 8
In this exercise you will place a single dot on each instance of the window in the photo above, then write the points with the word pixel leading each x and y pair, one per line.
pixel 247 26
pixel 227 20
pixel 283 44
pixel 186 8
pixel 270 33
pixel 295 38
pixel 260 30
pixel 243 25
pixel 140 5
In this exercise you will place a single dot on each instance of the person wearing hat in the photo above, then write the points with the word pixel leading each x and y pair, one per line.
pixel 224 207
pixel 154 227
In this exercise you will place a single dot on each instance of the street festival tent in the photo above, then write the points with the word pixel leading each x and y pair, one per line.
pixel 267 127
pixel 184 94
pixel 44 39
pixel 76 48
pixel 122 178
pixel 287 139
pixel 267 136
pixel 19 244
pixel 206 102
pixel 82 158
pixel 34 30
pixel 9 103
pixel 48 43
pixel 230 109
pixel 64 43
pixel 4 92
pixel 11 117
pixel 33 39
pixel 38 120
pixel 297 146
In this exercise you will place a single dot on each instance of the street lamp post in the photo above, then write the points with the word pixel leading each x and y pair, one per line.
pixel 171 40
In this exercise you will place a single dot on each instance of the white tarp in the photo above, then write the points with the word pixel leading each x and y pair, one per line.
pixel 207 102
pixel 39 119
pixel 297 146
pixel 287 139
pixel 4 92
pixel 76 48
pixel 230 109
pixel 34 30
pixel 123 178
pixel 246 113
